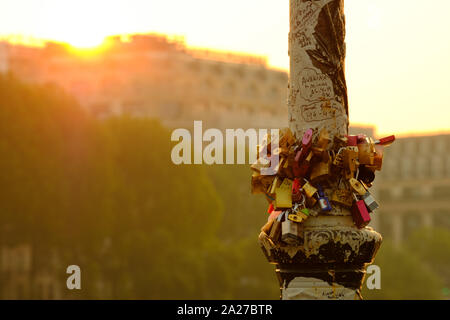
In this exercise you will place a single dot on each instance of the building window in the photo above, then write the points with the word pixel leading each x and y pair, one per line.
pixel 447 166
pixel 437 167
pixel 252 91
pixel 441 192
pixel 229 88
pixel 406 168
pixel 423 167
pixel 411 147
pixel 385 195
pixel 441 145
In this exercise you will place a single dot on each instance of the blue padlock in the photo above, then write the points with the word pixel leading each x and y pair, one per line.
pixel 324 202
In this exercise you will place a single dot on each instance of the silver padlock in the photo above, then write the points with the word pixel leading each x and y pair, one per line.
pixel 289 232
pixel 370 202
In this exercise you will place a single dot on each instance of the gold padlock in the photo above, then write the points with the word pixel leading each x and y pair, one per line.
pixel 342 197
pixel 366 152
pixel 309 189
pixel 357 186
pixel 275 231
pixel 320 170
pixel 267 227
pixel 298 217
pixel 350 161
pixel 324 139
pixel 275 184
pixel 286 137
pixel 283 194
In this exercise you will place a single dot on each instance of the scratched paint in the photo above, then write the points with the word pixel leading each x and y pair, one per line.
pixel 317 87
pixel 302 288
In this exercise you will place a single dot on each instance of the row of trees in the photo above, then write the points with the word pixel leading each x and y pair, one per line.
pixel 106 196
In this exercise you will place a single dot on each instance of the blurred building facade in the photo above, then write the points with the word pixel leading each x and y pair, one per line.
pixel 22 278
pixel 414 186
pixel 4 58
pixel 150 75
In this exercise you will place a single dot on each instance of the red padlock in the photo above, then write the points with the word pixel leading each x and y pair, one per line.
pixel 305 165
pixel 352 141
pixel 360 214
pixel 386 141
pixel 296 186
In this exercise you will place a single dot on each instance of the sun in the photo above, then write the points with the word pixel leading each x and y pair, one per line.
pixel 82 24
pixel 84 41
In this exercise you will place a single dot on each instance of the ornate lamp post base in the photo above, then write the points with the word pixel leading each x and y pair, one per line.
pixel 329 264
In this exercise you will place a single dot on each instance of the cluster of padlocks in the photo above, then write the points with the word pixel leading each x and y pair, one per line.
pixel 318 175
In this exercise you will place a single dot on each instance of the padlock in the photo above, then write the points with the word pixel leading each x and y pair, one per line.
pixel 320 171
pixel 275 231
pixel 360 214
pixel 290 232
pixel 324 139
pixel 340 142
pixel 350 161
pixel 370 202
pixel 286 137
pixel 275 184
pixel 324 202
pixel 342 197
pixel 385 141
pixel 283 194
pixel 309 189
pixel 296 186
pixel 357 186
pixel 378 158
pixel 279 166
pixel 267 227
pixel 361 137
pixel 304 166
pixel 352 141
pixel 338 159
pixel 274 215
pixel 299 217
pixel 297 195
pixel 299 212
pixel 365 175
pixel 296 169
pixel 366 151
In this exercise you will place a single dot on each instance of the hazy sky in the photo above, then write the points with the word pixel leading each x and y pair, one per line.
pixel 398 51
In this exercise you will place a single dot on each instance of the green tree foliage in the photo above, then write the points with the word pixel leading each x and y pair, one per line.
pixel 432 245
pixel 404 275
pixel 106 196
